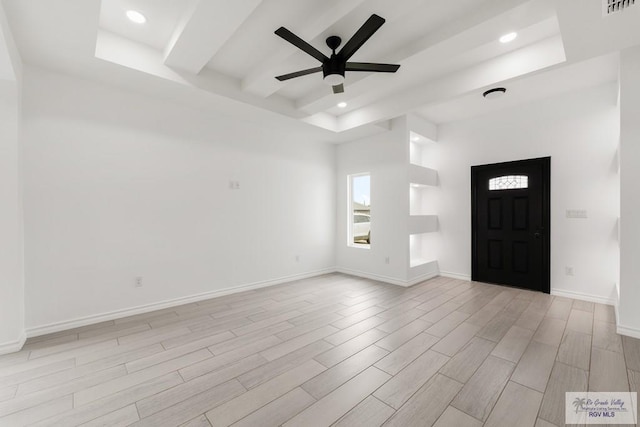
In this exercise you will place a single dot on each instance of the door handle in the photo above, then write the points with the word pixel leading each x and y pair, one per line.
pixel 538 232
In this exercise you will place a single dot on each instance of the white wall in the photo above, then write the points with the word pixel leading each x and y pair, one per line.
pixel 385 157
pixel 118 185
pixel 628 312
pixel 579 131
pixel 11 259
pixel 11 230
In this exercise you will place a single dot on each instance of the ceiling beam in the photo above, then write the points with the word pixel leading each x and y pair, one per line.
pixel 559 79
pixel 121 51
pixel 441 49
pixel 204 29
pixel 534 58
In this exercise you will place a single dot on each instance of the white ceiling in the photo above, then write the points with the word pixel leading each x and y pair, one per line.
pixel 162 19
pixel 223 54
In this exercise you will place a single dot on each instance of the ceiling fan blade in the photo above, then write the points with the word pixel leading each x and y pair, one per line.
pixel 300 44
pixel 369 66
pixel 338 88
pixel 361 36
pixel 298 73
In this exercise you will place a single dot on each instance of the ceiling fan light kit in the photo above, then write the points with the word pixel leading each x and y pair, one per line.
pixel 334 79
pixel 334 67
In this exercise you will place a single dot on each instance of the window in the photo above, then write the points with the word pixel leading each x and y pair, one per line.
pixel 509 182
pixel 359 212
pixel 360 218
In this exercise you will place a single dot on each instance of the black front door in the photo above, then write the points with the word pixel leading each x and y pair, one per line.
pixel 510 223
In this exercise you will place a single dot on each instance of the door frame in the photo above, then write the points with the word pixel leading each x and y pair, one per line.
pixel 545 163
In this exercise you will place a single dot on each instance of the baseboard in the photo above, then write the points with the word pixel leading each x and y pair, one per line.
pixel 458 276
pixel 380 278
pixel 118 314
pixel 583 297
pixel 132 311
pixel 621 329
pixel 13 346
pixel 617 303
pixel 422 278
pixel 630 332
pixel 387 279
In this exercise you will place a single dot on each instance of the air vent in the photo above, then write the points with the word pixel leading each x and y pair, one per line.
pixel 610 7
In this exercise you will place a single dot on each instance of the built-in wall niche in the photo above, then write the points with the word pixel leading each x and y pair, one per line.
pixel 422 249
pixel 422 151
pixel 419 224
pixel 422 199
pixel 422 175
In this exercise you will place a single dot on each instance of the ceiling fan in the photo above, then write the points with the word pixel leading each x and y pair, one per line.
pixel 334 67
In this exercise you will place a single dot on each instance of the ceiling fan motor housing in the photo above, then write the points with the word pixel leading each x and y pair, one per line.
pixel 333 42
pixel 334 66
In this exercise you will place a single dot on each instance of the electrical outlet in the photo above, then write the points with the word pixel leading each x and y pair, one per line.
pixel 386 260
pixel 568 271
pixel 138 283
pixel 297 258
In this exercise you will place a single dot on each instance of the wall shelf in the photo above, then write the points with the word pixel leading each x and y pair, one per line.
pixel 423 221
pixel 419 224
pixel 417 262
pixel 420 175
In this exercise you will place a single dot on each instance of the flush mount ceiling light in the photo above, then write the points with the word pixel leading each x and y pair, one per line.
pixel 508 37
pixel 342 104
pixel 135 16
pixel 494 93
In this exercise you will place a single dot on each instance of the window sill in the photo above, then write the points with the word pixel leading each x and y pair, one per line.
pixel 359 246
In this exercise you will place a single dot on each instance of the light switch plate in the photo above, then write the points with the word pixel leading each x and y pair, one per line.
pixel 576 213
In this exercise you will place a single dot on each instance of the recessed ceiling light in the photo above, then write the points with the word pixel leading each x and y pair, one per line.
pixel 135 16
pixel 494 93
pixel 508 37
pixel 415 139
pixel 342 104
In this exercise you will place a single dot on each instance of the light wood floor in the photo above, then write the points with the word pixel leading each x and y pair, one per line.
pixel 329 350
